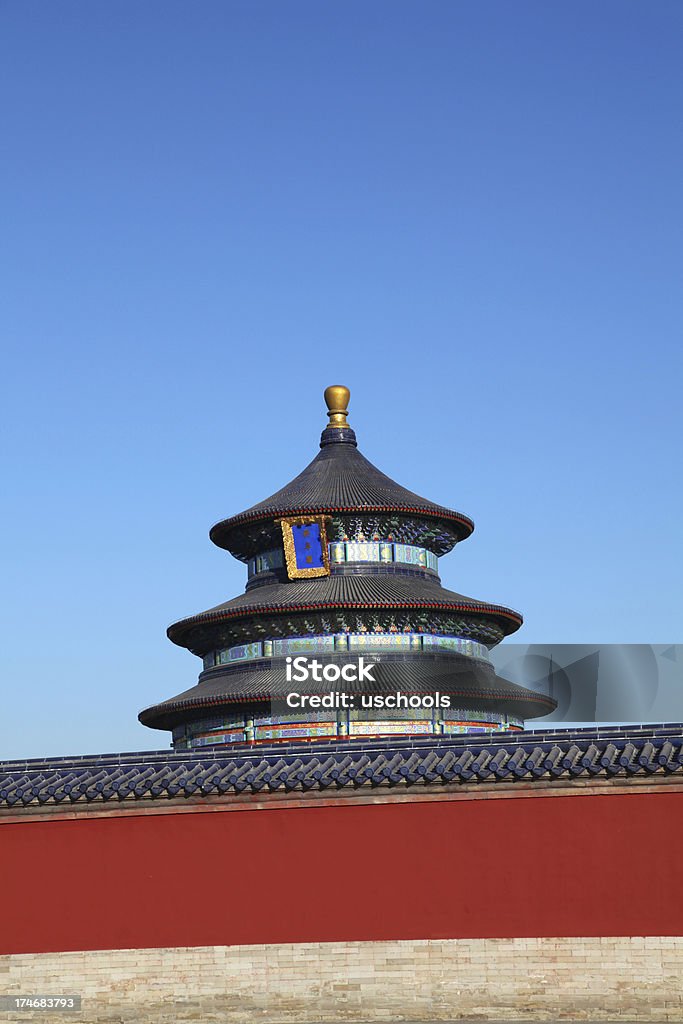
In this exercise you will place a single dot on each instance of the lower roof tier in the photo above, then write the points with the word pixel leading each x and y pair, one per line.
pixel 332 603
pixel 264 686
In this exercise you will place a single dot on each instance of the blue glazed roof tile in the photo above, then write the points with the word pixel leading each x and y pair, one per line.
pixel 406 761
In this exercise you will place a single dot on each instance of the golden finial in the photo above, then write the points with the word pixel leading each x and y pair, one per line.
pixel 337 400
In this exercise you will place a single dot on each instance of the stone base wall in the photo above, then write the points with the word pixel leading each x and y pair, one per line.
pixel 637 979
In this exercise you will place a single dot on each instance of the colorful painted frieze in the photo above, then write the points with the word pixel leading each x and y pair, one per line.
pixel 244 652
pixel 391 726
pixel 337 552
pixel 303 645
pixel 328 643
pixel 212 738
pixel 386 552
pixel 362 552
pixel 296 730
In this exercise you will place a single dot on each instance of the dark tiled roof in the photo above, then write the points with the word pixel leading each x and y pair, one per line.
pixel 470 683
pixel 339 479
pixel 363 591
pixel 503 757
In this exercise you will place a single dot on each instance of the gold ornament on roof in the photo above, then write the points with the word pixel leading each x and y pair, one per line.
pixel 337 401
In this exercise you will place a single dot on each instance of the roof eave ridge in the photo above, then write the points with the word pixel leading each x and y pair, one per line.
pixel 430 510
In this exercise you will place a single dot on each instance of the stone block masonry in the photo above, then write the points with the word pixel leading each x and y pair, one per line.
pixel 636 979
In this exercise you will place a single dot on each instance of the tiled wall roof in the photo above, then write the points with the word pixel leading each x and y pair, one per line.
pixel 504 757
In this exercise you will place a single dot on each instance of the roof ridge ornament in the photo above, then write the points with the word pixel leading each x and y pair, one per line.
pixel 338 430
pixel 337 401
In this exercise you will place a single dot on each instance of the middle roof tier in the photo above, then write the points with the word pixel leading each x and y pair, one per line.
pixel 344 603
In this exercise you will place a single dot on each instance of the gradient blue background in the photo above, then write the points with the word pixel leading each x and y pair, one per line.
pixel 469 213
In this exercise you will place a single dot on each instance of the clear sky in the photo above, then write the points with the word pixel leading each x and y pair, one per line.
pixel 469 213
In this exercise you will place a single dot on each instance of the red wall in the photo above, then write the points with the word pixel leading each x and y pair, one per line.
pixel 541 866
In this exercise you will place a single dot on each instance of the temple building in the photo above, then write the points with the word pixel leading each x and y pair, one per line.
pixel 343 563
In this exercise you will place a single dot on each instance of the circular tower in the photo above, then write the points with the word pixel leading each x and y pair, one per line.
pixel 344 629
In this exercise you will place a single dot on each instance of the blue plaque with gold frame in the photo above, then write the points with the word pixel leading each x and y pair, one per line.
pixel 304 539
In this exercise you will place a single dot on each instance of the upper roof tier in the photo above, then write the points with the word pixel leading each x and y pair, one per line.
pixel 339 481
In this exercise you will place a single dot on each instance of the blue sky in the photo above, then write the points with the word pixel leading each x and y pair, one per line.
pixel 469 213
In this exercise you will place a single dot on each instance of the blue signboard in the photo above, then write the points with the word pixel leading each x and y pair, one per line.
pixel 308 546
pixel 305 546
